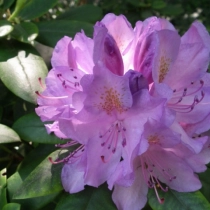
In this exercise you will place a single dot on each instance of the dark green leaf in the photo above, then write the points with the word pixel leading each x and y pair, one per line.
pixel 24 71
pixel 36 8
pixel 5 28
pixel 25 32
pixel 8 135
pixel 16 181
pixel 43 180
pixel 51 31
pixel 146 13
pixel 172 10
pixel 31 161
pixel 3 198
pixel 10 48
pixel 158 4
pixel 133 2
pixel 7 4
pixel 178 200
pixel 31 128
pixel 12 206
pixel 1 111
pixel 204 177
pixel 86 13
pixel 89 199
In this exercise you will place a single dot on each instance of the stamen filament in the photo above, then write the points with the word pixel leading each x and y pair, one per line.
pixel 160 200
pixel 50 97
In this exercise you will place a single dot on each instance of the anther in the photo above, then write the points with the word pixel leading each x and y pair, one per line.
pixel 102 158
pixel 56 162
pixel 185 92
pixel 124 142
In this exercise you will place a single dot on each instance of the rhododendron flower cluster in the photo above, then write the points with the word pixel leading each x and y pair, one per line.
pixel 136 102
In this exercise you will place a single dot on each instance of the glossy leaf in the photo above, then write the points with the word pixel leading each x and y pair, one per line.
pixel 178 200
pixel 12 206
pixel 31 128
pixel 5 28
pixel 86 13
pixel 8 135
pixel 50 32
pixel 25 32
pixel 11 48
pixel 3 195
pixel 43 180
pixel 36 8
pixel 24 71
pixel 31 161
pixel 15 182
pixel 89 199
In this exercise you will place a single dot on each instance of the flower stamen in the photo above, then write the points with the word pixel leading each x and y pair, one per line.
pixel 50 97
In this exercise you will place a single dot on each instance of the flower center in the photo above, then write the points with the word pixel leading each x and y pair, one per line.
pixel 111 100
pixel 153 139
pixel 163 67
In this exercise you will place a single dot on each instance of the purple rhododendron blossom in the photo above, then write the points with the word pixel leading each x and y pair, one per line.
pixel 135 102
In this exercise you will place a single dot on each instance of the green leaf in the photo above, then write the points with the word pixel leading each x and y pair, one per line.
pixel 172 10
pixel 5 28
pixel 43 180
pixel 30 162
pixel 15 181
pixel 12 206
pixel 51 31
pixel 1 112
pixel 158 4
pixel 25 32
pixel 8 135
pixel 89 199
pixel 178 200
pixel 21 73
pixel 7 4
pixel 3 197
pixel 133 2
pixel 18 7
pixel 36 8
pixel 10 48
pixel 204 177
pixel 86 13
pixel 31 128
